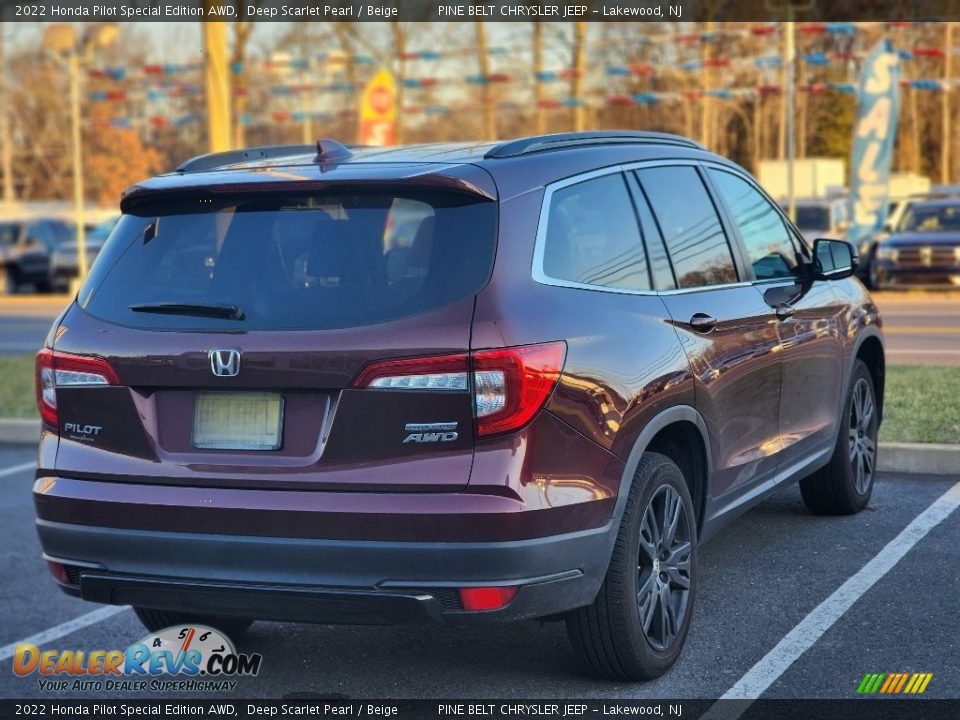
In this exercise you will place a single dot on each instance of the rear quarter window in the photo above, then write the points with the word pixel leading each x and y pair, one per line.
pixel 593 238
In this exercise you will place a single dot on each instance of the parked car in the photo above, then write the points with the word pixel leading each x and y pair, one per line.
pixel 897 210
pixel 25 254
pixel 596 351
pixel 822 217
pixel 64 264
pixel 924 251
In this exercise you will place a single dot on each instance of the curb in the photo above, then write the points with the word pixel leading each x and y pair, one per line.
pixel 913 458
pixel 17 430
pixel 921 458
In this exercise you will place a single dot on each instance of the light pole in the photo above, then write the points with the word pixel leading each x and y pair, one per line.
pixel 62 40
pixel 791 7
pixel 6 142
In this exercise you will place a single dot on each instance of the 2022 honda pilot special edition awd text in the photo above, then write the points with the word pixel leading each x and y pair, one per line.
pixel 450 383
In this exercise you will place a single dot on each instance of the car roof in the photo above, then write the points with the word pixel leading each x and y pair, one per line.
pixel 494 169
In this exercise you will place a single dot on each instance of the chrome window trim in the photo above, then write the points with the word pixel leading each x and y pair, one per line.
pixel 539 249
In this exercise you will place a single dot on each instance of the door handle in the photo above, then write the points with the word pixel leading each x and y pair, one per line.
pixel 785 312
pixel 702 323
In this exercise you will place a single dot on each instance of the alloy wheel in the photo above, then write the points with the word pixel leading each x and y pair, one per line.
pixel 862 436
pixel 663 569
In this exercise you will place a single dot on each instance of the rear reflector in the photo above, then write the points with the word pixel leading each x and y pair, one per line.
pixel 486 598
pixel 57 369
pixel 59 572
pixel 510 385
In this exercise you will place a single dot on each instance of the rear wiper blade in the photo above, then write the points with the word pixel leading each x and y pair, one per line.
pixel 227 312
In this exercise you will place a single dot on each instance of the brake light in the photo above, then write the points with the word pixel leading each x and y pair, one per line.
pixel 510 385
pixel 57 369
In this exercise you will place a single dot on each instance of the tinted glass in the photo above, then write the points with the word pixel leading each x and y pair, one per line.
pixel 656 252
pixel 61 232
pixel 813 217
pixel 593 237
pixel 689 225
pixel 316 262
pixel 9 232
pixel 764 233
pixel 931 218
pixel 41 232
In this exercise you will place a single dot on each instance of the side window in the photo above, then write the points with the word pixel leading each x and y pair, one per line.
pixel 593 237
pixel 765 235
pixel 689 225
pixel 659 262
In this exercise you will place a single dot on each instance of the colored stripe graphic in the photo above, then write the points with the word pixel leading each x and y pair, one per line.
pixel 894 683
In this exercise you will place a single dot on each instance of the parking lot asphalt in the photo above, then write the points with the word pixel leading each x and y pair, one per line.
pixel 759 578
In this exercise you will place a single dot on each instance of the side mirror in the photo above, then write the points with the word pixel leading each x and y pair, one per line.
pixel 834 259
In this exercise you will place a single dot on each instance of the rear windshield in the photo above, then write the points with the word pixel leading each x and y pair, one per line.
pixel 292 263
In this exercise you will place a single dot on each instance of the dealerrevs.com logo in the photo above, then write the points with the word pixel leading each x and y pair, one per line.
pixel 199 658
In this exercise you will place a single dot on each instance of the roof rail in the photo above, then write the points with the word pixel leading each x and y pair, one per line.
pixel 564 141
pixel 212 161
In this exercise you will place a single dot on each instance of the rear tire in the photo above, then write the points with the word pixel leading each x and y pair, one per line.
pixel 636 627
pixel 844 486
pixel 156 620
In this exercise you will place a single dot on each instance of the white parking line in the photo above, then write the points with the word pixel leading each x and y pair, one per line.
pixel 17 469
pixel 762 675
pixel 66 628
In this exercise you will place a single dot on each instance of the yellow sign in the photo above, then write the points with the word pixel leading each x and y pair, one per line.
pixel 378 110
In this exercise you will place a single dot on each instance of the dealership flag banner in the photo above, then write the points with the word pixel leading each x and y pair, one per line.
pixel 874 132
pixel 378 110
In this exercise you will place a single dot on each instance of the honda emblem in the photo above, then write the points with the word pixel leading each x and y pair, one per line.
pixel 225 363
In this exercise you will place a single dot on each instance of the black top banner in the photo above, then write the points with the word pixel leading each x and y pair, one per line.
pixel 488 709
pixel 454 11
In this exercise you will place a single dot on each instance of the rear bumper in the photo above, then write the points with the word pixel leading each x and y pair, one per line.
pixel 326 581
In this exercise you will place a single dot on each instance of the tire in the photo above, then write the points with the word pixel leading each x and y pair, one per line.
pixel 8 281
pixel 844 486
pixel 873 282
pixel 609 636
pixel 155 620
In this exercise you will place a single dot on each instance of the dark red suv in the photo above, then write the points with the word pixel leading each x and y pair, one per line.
pixel 448 383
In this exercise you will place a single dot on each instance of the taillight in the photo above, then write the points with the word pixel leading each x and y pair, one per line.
pixel 57 369
pixel 446 372
pixel 510 385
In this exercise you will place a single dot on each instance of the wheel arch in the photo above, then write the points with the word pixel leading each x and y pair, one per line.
pixel 869 349
pixel 670 432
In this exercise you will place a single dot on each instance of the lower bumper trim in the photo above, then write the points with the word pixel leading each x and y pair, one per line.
pixel 263 602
